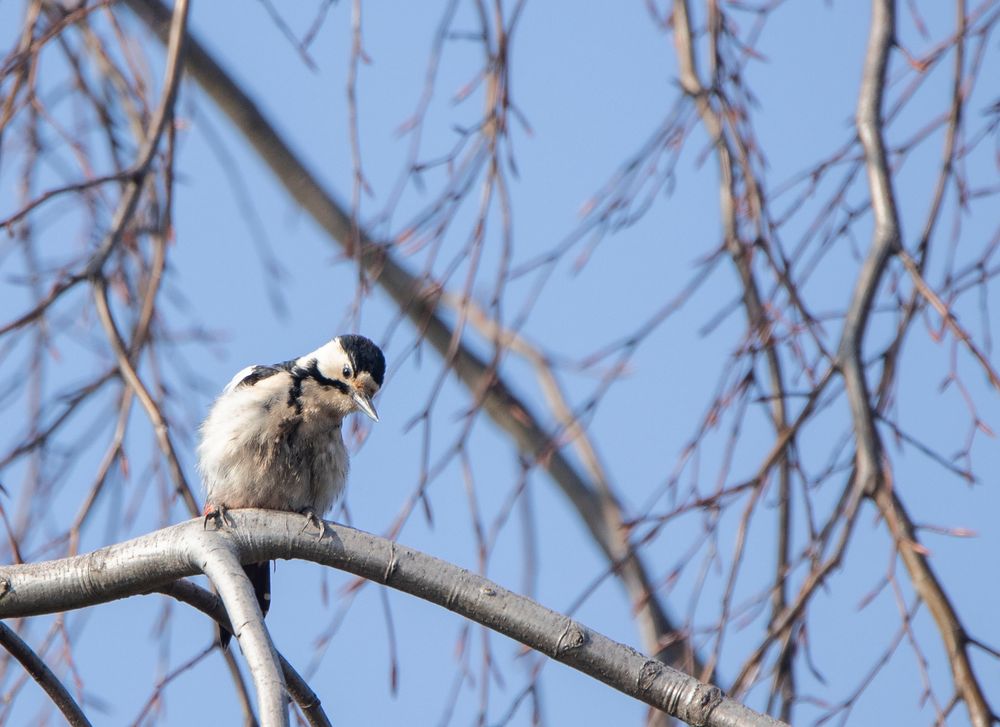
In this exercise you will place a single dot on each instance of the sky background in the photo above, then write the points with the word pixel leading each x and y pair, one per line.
pixel 594 80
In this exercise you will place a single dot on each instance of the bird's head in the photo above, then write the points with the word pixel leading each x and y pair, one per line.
pixel 353 366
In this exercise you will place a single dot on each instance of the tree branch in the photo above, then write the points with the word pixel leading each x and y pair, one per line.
pixel 159 558
pixel 734 164
pixel 871 479
pixel 218 558
pixel 209 604
pixel 175 32
pixel 153 411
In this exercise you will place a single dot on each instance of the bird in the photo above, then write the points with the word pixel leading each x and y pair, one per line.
pixel 273 440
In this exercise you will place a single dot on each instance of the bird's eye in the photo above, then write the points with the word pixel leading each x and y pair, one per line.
pixel 347 371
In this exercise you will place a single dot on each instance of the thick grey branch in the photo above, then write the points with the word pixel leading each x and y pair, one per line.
pixel 218 558
pixel 147 563
pixel 208 603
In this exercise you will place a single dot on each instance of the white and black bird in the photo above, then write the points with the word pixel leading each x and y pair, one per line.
pixel 273 438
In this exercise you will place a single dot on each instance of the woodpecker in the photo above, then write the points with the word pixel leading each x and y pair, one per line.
pixel 273 438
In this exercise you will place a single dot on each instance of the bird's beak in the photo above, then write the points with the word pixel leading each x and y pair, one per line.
pixel 364 404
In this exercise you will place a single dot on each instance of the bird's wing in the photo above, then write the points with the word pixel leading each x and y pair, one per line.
pixel 250 376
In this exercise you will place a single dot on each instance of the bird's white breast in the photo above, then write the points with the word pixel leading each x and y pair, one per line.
pixel 259 450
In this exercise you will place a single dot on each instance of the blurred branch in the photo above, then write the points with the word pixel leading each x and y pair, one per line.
pixel 41 673
pixel 65 189
pixel 166 679
pixel 136 174
pixel 131 376
pixel 947 317
pixel 155 560
pixel 734 166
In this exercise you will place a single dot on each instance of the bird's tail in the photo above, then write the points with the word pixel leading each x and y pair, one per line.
pixel 260 578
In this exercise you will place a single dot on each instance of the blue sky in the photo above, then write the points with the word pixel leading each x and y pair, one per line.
pixel 594 81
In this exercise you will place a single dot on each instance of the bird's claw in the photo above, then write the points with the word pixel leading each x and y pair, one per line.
pixel 220 516
pixel 314 520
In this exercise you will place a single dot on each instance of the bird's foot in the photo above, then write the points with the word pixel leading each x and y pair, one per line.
pixel 220 516
pixel 313 520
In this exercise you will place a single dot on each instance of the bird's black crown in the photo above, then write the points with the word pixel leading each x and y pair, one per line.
pixel 365 356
